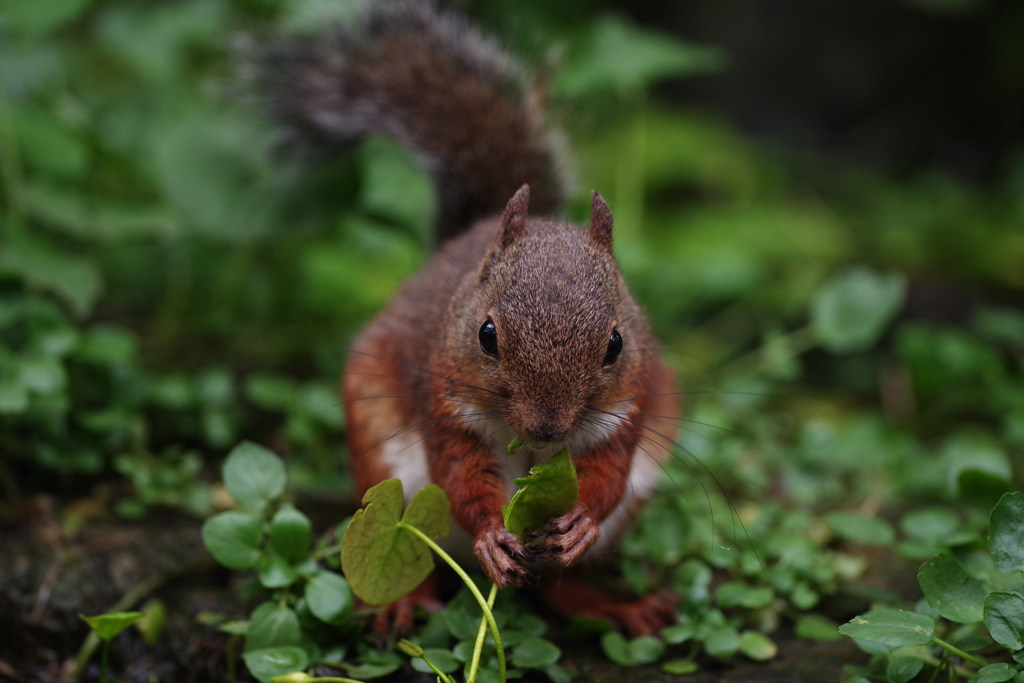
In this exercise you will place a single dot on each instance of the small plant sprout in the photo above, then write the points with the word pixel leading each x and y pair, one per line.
pixel 106 626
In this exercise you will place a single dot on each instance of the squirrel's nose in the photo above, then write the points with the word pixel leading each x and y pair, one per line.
pixel 547 433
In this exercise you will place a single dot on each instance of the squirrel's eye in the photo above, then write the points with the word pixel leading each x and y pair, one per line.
pixel 489 338
pixel 614 348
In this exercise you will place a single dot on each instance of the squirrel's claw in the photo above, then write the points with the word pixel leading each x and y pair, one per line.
pixel 565 539
pixel 501 556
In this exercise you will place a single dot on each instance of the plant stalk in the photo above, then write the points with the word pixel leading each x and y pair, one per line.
pixel 478 648
pixel 958 652
pixel 472 589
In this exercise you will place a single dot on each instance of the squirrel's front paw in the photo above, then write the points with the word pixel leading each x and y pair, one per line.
pixel 501 556
pixel 565 539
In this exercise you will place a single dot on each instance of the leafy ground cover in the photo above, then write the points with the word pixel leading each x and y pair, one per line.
pixel 851 347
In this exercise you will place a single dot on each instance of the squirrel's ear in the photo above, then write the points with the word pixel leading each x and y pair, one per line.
pixel 513 219
pixel 600 221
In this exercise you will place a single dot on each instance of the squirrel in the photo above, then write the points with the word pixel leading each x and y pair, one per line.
pixel 521 326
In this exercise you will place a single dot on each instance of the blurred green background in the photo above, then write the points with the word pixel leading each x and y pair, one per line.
pixel 830 251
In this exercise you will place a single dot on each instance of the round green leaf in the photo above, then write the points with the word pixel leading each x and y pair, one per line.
pixel 678 633
pixel 383 561
pixel 442 659
pixel 646 649
pixel 275 572
pixel 856 527
pixel 534 653
pixel 233 538
pixel 722 643
pixel 616 648
pixel 949 589
pixel 550 491
pixel 733 594
pixel 253 475
pixel 757 646
pixel 996 673
pixel 107 626
pixel 895 629
pixel 1006 532
pixel 291 534
pixel 1004 618
pixel 329 597
pixel 902 669
pixel 679 667
pixel 850 311
pixel 817 628
pixel 272 625
pixel 268 662
pixel 931 525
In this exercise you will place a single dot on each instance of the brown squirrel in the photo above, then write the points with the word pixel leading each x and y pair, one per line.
pixel 520 326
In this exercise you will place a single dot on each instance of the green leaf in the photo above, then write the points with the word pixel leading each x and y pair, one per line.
pixel 73 279
pixel 949 589
pixel 1004 618
pixel 253 475
pixel 931 525
pixel 679 667
pixel 550 490
pixel 996 673
pixel 233 538
pixel 734 594
pixel 442 659
pixel 902 669
pixel 850 311
pixel 624 59
pixel 276 572
pixel 723 642
pixel 329 598
pixel 1006 533
pixel 895 629
pixel 291 534
pixel 616 648
pixel 817 628
pixel 382 561
pixel 757 646
pixel 856 527
pixel 41 16
pixel 374 664
pixel 677 634
pixel 275 661
pixel 13 398
pixel 534 653
pixel 646 649
pixel 272 625
pixel 106 626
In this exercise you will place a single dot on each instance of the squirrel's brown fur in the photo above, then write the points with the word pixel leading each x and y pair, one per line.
pixel 432 394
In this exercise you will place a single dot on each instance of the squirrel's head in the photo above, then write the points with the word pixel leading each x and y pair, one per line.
pixel 551 326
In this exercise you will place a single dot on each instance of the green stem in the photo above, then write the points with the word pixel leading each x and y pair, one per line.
pixel 440 674
pixel 472 589
pixel 478 648
pixel 333 679
pixel 103 661
pixel 938 668
pixel 958 652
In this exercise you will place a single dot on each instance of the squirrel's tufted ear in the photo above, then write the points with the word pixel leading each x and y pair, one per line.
pixel 513 219
pixel 600 221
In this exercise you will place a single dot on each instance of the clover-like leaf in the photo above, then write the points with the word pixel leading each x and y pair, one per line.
pixel 382 561
pixel 949 589
pixel 329 597
pixel 856 527
pixel 1006 532
pixel 291 534
pixel 253 475
pixel 996 673
pixel 902 669
pixel 550 490
pixel 757 646
pixel 850 311
pixel 534 653
pixel 270 662
pixel 1004 618
pixel 272 625
pixel 106 626
pixel 233 538
pixel 895 629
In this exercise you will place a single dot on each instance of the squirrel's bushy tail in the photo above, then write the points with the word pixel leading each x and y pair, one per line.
pixel 432 82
